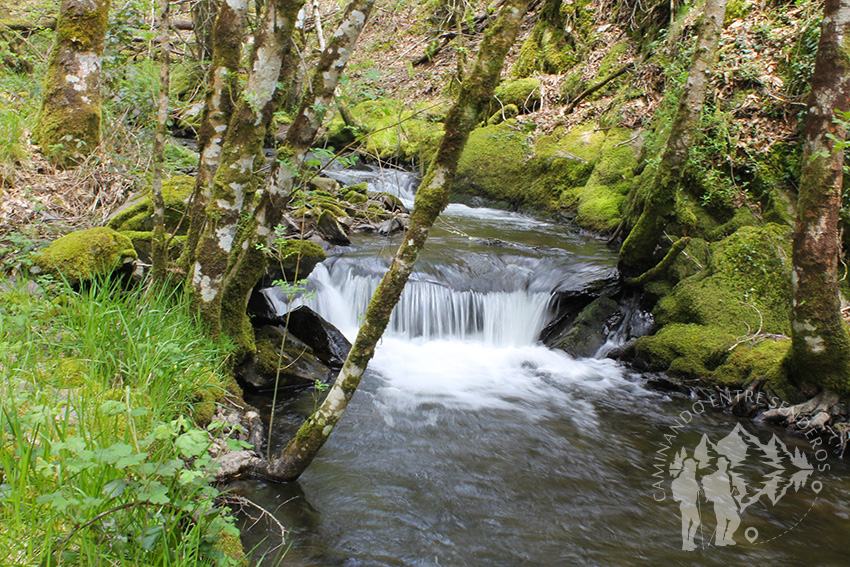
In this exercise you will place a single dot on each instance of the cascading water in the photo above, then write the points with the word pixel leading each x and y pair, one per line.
pixel 470 444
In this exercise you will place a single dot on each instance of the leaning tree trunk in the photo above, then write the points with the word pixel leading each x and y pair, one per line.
pixel 219 102
pixel 69 121
pixel 820 344
pixel 260 220
pixel 235 179
pixel 158 244
pixel 431 199
pixel 636 254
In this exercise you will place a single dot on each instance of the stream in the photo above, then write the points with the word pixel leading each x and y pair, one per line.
pixel 468 443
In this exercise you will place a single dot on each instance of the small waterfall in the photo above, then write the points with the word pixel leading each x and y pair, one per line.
pixel 427 309
pixel 635 322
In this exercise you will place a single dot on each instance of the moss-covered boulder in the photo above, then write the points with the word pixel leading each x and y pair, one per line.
pixel 390 130
pixel 297 259
pixel 742 296
pixel 764 362
pixel 495 163
pixel 85 254
pixel 600 201
pixel 523 94
pixel 137 213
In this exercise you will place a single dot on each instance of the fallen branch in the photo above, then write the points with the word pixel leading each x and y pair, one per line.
pixel 662 266
pixel 590 90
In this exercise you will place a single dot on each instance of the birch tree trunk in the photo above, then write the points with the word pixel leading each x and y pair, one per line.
pixel 219 102
pixel 636 254
pixel 259 220
pixel 235 180
pixel 159 253
pixel 431 199
pixel 820 347
pixel 69 121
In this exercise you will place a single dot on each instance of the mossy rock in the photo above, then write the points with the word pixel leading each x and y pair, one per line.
pixel 137 214
pixel 494 164
pixel 600 202
pixel 142 243
pixel 298 255
pixel 582 142
pixel 361 187
pixel 355 198
pixel 85 255
pixel 686 350
pixel 397 130
pixel 509 111
pixel 763 361
pixel 524 94
pixel 746 287
pixel 546 51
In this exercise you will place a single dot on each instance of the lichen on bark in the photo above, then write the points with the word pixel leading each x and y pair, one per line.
pixel 70 117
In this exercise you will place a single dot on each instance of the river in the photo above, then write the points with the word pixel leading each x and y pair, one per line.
pixel 469 443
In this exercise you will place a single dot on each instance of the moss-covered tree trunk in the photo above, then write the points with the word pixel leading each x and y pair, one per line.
pixel 69 121
pixel 235 178
pixel 204 17
pixel 431 199
pixel 636 254
pixel 158 244
pixel 259 220
pixel 219 102
pixel 820 347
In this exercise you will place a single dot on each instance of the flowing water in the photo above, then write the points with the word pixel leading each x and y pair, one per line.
pixel 470 444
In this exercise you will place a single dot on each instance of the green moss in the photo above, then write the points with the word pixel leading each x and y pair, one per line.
pixel 610 63
pixel 85 254
pixel 397 131
pixel 304 254
pixel 687 350
pixel 523 94
pixel 359 188
pixel 763 362
pixel 494 164
pixel 546 51
pixel 599 204
pixel 355 197
pixel 137 214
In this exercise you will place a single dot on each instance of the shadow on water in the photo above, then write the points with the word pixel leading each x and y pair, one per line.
pixel 470 444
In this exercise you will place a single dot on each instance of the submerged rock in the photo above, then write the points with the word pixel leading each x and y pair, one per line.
pixel 589 329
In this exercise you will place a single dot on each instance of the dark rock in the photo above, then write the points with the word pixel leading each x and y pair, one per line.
pixel 298 365
pixel 387 201
pixel 665 384
pixel 327 342
pixel 331 230
pixel 568 303
pixel 589 329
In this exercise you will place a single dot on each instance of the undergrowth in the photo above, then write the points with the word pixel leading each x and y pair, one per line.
pixel 101 462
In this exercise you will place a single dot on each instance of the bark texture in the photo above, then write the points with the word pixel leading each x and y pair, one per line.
pixel 158 244
pixel 235 180
pixel 431 199
pixel 69 121
pixel 259 219
pixel 219 102
pixel 820 348
pixel 636 254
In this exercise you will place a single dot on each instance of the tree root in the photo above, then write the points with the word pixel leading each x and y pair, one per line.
pixel 815 414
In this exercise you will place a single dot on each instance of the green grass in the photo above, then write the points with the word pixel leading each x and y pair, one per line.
pixel 101 462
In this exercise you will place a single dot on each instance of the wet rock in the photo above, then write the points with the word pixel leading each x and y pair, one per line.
pixel 391 227
pixel 328 343
pixel 569 302
pixel 298 365
pixel 387 201
pixel 590 328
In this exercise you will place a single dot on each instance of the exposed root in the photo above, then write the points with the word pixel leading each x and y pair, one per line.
pixel 813 415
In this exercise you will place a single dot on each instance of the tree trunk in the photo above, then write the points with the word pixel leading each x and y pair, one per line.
pixel 69 121
pixel 636 254
pixel 431 199
pixel 258 222
pixel 219 102
pixel 235 179
pixel 820 347
pixel 158 244
pixel 204 18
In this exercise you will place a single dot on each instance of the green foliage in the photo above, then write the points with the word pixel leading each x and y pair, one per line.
pixel 800 58
pixel 100 464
